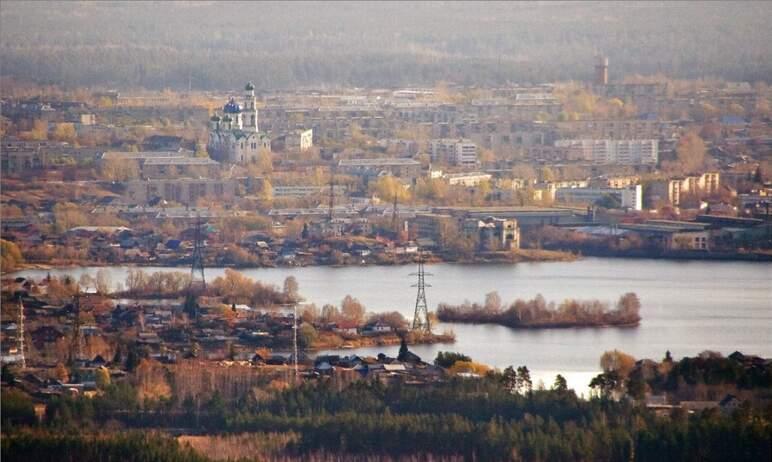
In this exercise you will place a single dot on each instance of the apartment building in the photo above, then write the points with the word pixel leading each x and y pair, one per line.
pixel 467 179
pixel 173 167
pixel 408 169
pixel 304 191
pixel 612 152
pixel 184 191
pixel 674 189
pixel 460 152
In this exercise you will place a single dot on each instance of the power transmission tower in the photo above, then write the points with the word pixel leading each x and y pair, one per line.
pixel 332 194
pixel 77 335
pixel 21 334
pixel 421 317
pixel 197 279
pixel 394 215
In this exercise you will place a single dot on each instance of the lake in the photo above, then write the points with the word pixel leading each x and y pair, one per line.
pixel 686 306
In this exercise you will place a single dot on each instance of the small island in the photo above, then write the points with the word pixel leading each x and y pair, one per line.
pixel 538 314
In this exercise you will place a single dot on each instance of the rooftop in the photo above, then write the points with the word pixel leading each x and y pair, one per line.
pixel 136 155
pixel 377 162
pixel 181 161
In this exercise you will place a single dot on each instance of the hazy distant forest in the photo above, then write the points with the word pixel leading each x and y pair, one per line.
pixel 214 45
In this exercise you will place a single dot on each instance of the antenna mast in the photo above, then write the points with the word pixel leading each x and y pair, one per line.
pixel 421 321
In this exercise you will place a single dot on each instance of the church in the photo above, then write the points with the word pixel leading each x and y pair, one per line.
pixel 234 138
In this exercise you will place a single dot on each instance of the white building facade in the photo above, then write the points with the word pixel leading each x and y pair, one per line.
pixel 234 137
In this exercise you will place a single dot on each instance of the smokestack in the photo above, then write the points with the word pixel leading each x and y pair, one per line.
pixel 601 70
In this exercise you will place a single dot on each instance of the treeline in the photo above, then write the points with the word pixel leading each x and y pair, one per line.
pixel 129 447
pixel 472 419
pixel 285 45
pixel 537 313
pixel 707 376
pixel 232 287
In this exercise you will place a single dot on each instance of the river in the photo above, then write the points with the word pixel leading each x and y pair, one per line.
pixel 687 306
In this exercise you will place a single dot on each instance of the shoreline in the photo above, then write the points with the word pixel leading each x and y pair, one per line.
pixel 704 257
pixel 627 325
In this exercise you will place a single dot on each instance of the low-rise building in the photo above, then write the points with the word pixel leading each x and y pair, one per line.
pixel 493 233
pixel 673 235
pixel 433 226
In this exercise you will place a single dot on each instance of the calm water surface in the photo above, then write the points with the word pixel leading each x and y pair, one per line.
pixel 687 307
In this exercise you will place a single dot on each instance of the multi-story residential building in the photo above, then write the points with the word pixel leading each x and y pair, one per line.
pixel 616 129
pixel 674 189
pixel 461 152
pixel 619 181
pixel 234 137
pixel 143 156
pixel 328 122
pixel 184 191
pixel 613 152
pixel 467 179
pixel 401 147
pixel 407 169
pixel 173 167
pixel 294 140
pixel 630 197
pixel 303 191
pixel 549 188
pixel 20 161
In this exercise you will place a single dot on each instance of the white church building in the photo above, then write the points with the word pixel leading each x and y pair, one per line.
pixel 234 137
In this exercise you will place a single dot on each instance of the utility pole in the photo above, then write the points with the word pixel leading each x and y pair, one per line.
pixel 295 339
pixel 21 334
pixel 421 321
